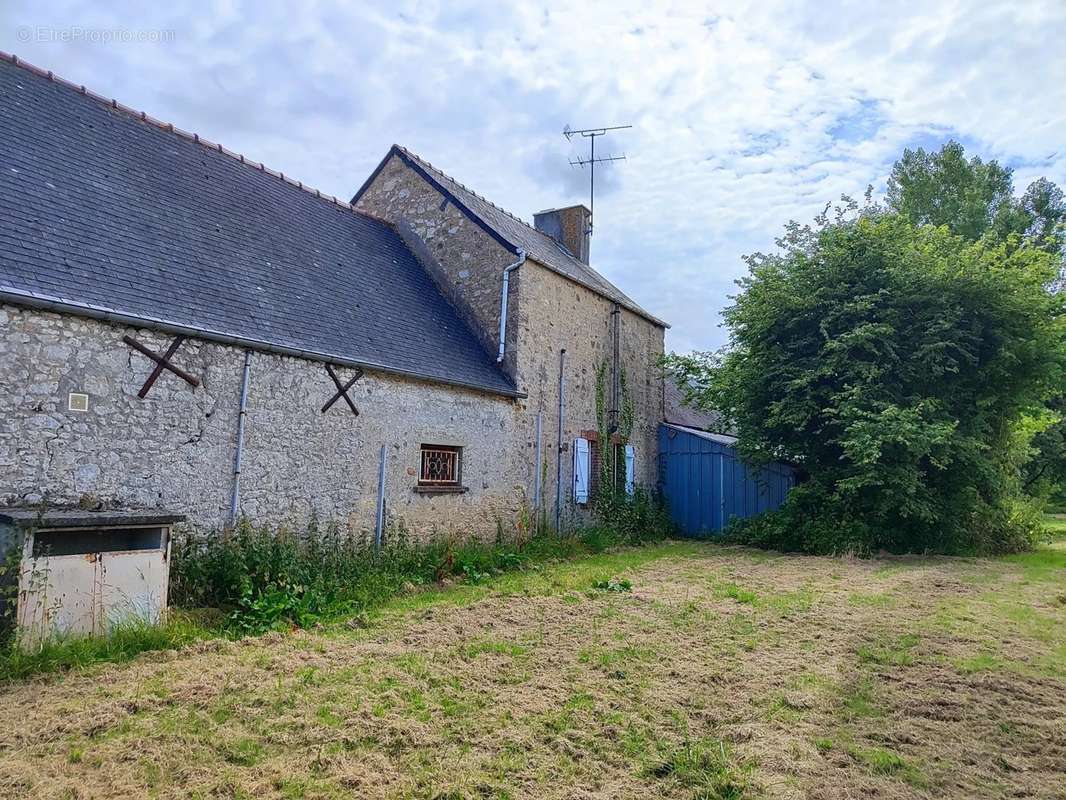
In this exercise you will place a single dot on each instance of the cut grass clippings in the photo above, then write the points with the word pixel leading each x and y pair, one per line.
pixel 720 673
pixel 370 582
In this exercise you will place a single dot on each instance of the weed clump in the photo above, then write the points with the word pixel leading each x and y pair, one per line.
pixel 123 643
pixel 706 766
pixel 613 585
pixel 885 762
pixel 635 518
pixel 274 578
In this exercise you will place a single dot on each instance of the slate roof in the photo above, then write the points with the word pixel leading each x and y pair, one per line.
pixel 107 212
pixel 512 232
pixel 678 412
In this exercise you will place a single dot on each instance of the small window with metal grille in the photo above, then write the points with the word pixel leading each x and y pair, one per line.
pixel 442 466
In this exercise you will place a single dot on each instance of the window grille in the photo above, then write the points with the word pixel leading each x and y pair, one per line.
pixel 441 465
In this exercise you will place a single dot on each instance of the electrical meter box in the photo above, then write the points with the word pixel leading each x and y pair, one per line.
pixel 79 573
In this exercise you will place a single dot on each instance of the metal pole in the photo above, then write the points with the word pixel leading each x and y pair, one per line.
pixel 616 368
pixel 616 391
pixel 379 526
pixel 536 469
pixel 592 195
pixel 235 498
pixel 559 448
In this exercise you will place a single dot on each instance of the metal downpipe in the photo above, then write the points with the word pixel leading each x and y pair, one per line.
pixel 536 470
pixel 559 447
pixel 503 299
pixel 379 517
pixel 235 499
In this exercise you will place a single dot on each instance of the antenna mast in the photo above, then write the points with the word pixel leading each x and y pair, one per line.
pixel 592 161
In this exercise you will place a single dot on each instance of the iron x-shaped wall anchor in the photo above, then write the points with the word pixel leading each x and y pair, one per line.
pixel 342 390
pixel 161 363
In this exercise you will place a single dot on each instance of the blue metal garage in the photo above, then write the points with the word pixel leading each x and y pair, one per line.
pixel 705 484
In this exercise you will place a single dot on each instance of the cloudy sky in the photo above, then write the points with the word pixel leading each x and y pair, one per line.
pixel 745 114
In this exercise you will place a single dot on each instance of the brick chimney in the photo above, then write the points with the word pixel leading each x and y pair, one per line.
pixel 569 226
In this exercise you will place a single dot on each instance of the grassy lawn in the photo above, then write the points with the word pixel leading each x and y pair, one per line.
pixel 683 670
pixel 1056 525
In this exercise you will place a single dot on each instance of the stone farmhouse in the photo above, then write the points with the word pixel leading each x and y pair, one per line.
pixel 184 329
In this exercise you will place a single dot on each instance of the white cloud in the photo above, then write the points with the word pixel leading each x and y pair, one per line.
pixel 745 115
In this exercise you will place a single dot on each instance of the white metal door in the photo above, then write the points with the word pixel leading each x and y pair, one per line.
pixel 57 595
pixel 85 594
pixel 131 586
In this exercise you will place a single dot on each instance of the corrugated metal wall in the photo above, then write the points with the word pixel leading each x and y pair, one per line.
pixel 706 485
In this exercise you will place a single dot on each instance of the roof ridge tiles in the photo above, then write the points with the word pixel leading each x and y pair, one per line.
pixel 187 135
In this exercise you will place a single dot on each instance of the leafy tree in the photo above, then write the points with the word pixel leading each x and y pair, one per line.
pixel 943 188
pixel 974 199
pixel 1045 472
pixel 1045 210
pixel 896 365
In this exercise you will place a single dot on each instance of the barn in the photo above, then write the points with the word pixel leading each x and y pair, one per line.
pixel 185 330
pixel 705 483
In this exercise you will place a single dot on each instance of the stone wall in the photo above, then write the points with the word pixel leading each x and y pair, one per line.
pixel 175 448
pixel 557 313
pixel 546 312
pixel 464 261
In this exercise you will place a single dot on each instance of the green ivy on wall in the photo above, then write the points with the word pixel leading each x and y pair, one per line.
pixel 620 437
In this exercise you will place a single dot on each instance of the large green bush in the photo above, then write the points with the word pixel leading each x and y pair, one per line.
pixel 899 367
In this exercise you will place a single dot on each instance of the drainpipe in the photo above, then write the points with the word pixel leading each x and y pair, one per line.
pixel 503 298
pixel 536 472
pixel 559 448
pixel 616 391
pixel 379 522
pixel 235 500
pixel 616 376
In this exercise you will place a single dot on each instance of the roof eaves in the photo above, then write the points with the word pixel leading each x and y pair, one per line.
pixel 45 302
pixel 720 438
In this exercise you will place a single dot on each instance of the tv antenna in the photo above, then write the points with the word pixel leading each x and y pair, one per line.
pixel 592 161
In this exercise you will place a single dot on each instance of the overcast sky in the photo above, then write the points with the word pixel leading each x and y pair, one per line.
pixel 745 114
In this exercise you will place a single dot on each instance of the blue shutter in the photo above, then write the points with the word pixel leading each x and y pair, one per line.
pixel 630 458
pixel 582 470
